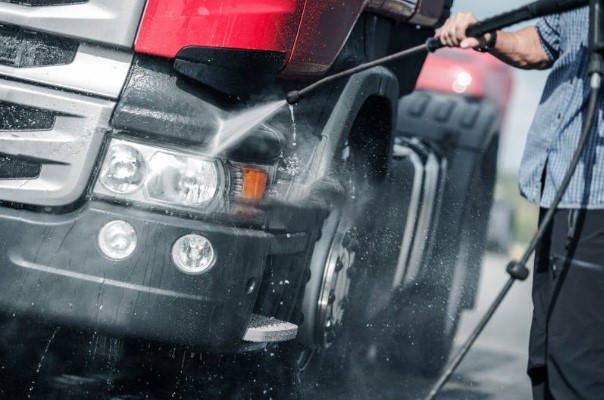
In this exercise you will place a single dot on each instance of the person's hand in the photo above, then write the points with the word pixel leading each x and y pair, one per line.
pixel 453 32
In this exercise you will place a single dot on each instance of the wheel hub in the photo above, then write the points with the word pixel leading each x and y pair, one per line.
pixel 333 297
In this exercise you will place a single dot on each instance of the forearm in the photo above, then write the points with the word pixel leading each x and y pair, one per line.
pixel 521 49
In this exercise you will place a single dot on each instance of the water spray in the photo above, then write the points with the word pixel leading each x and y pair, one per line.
pixel 236 128
pixel 517 270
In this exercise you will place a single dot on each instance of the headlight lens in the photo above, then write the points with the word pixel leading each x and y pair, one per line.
pixel 180 180
pixel 168 178
pixel 124 169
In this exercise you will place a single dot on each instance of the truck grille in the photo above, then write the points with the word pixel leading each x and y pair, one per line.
pixel 53 139
pixel 20 117
pixel 42 3
pixel 110 22
pixel 13 167
pixel 22 49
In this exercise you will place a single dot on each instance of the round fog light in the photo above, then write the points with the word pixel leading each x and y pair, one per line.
pixel 193 254
pixel 117 240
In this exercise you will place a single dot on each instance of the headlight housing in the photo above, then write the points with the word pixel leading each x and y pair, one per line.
pixel 179 179
pixel 156 176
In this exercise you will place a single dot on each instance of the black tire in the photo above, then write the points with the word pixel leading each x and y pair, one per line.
pixel 415 332
pixel 427 316
pixel 322 370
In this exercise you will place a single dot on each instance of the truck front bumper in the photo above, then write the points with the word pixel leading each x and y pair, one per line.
pixel 51 268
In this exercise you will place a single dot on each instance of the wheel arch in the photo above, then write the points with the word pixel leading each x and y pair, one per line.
pixel 369 99
pixel 365 115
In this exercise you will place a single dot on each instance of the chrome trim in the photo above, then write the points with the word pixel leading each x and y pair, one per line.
pixel 402 264
pixel 421 219
pixel 113 22
pixel 422 234
pixel 67 152
pixel 97 70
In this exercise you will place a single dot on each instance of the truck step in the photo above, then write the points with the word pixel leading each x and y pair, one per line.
pixel 266 329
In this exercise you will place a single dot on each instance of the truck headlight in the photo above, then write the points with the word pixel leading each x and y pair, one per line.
pixel 181 180
pixel 124 169
pixel 169 178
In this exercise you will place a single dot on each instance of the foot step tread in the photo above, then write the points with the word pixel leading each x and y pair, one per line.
pixel 263 329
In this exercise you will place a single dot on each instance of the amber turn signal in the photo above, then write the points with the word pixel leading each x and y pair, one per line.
pixel 254 183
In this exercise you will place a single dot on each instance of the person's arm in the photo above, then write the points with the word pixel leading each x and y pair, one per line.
pixel 521 49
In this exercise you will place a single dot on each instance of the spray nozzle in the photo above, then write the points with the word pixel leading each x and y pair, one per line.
pixel 433 44
pixel 293 97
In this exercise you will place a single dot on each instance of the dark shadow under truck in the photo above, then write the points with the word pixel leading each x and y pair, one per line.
pixel 346 231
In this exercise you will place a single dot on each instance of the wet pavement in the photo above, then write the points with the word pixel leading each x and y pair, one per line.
pixel 495 367
pixel 46 363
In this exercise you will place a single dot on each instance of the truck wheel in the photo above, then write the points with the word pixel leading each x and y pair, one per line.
pixel 331 308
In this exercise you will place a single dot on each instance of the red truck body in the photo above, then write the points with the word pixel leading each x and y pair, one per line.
pixel 310 33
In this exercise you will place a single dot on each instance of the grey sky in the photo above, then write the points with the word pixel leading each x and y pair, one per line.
pixel 528 86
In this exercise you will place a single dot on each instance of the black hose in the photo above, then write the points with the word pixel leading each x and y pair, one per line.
pixel 293 96
pixel 547 220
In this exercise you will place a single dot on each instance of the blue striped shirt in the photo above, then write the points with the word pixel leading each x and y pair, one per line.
pixel 556 129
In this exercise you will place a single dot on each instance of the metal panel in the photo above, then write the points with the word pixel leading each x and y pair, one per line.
pixel 112 22
pixel 428 13
pixel 262 329
pixel 96 70
pixel 67 152
pixel 39 3
pixel 21 48
pixel 415 207
pixel 424 219
pixel 399 9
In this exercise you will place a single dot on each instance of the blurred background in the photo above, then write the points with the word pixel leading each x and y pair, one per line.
pixel 495 368
pixel 526 94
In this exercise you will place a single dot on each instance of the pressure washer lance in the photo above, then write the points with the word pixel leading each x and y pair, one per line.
pixel 529 11
pixel 517 270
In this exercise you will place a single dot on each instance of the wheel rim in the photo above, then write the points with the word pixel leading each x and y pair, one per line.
pixel 333 295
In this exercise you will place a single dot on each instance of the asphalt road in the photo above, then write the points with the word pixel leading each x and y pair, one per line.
pixel 54 363
pixel 495 367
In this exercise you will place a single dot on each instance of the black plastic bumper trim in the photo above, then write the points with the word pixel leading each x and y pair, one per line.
pixel 52 270
pixel 18 260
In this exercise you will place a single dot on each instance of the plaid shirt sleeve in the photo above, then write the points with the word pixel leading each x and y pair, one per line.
pixel 548 29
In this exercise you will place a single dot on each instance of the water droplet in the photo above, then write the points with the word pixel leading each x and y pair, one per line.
pixel 294 133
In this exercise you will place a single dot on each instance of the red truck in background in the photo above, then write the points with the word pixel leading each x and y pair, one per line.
pixel 477 77
pixel 471 74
